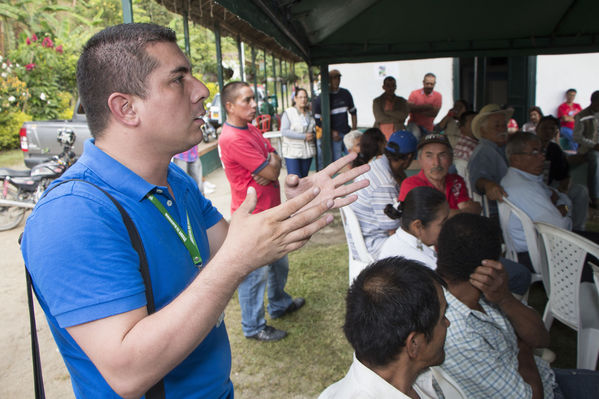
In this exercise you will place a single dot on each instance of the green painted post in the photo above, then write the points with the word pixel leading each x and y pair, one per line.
pixel 325 108
pixel 186 35
pixel 219 69
pixel 274 82
pixel 265 75
pixel 240 54
pixel 282 84
pixel 255 74
pixel 127 11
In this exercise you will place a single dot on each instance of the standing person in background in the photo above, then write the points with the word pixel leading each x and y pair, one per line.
pixel 191 164
pixel 390 111
pixel 425 104
pixel 565 113
pixel 342 103
pixel 586 133
pixel 297 128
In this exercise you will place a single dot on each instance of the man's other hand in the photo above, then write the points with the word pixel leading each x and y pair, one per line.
pixel 331 186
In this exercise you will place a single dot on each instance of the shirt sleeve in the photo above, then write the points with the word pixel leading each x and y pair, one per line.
pixel 286 129
pixel 438 101
pixel 350 104
pixel 478 168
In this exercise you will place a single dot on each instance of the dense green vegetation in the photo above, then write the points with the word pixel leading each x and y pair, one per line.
pixel 40 41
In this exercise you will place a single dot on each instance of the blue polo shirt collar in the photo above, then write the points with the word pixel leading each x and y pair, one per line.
pixel 113 173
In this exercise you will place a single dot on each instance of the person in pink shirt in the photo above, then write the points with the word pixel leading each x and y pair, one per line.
pixel 425 104
pixel 565 113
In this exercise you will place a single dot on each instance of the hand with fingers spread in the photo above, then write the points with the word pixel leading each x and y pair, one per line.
pixel 254 240
pixel 492 279
pixel 331 186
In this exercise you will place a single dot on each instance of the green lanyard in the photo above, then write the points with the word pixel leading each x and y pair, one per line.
pixel 187 239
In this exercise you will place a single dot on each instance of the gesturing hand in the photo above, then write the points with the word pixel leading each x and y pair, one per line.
pixel 331 186
pixel 492 279
pixel 254 240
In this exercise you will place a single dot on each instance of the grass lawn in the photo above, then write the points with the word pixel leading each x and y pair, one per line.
pixel 11 159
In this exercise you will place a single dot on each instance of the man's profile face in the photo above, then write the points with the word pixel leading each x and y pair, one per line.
pixel 570 96
pixel 434 353
pixel 172 110
pixel 435 160
pixel 244 105
pixel 429 84
pixel 334 81
pixel 495 129
pixel 389 86
pixel 547 131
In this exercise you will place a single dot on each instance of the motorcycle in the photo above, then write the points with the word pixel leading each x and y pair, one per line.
pixel 208 131
pixel 21 189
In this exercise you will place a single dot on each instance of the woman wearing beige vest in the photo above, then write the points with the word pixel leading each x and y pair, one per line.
pixel 297 128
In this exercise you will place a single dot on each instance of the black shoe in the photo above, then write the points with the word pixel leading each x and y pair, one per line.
pixel 296 303
pixel 268 334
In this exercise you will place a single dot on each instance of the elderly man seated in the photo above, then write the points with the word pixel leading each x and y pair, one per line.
pixel 490 341
pixel 396 324
pixel 488 163
pixel 435 157
pixel 385 175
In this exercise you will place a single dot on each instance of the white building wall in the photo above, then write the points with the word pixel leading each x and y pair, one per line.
pixel 558 73
pixel 365 82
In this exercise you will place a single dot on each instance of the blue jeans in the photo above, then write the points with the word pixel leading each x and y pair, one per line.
pixel 338 149
pixel 251 295
pixel 567 139
pixel 298 166
pixel 519 276
pixel 576 383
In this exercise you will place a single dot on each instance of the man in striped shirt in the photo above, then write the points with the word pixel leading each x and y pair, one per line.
pixel 385 175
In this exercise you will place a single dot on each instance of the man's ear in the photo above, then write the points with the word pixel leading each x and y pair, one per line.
pixel 122 109
pixel 414 344
pixel 229 106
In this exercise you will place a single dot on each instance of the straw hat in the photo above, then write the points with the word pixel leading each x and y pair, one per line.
pixel 485 112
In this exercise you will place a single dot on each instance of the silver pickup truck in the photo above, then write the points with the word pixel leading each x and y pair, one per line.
pixel 38 138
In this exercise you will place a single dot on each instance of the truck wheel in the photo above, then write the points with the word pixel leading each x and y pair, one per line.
pixel 10 216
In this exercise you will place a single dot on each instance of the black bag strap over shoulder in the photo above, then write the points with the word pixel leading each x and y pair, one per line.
pixel 157 391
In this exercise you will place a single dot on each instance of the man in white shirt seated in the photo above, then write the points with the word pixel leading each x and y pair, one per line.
pixel 395 321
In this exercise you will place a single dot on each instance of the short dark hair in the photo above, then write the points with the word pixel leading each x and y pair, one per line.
pixel 464 242
pixel 570 91
pixel 465 116
pixel 595 96
pixel 421 203
pixel 430 74
pixel 549 118
pixel 386 302
pixel 537 109
pixel 388 78
pixel 230 90
pixel 115 60
pixel 370 146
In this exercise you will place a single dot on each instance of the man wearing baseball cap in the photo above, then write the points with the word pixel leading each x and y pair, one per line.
pixel 385 175
pixel 436 156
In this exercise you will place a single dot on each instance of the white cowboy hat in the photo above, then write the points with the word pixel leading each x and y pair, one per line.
pixel 486 111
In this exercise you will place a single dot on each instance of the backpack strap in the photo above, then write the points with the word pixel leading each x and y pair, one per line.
pixel 157 391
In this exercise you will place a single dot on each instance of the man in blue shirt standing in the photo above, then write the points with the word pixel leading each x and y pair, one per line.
pixel 144 106
pixel 342 102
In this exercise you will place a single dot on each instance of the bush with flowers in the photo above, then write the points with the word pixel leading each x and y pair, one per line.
pixel 49 73
pixel 13 97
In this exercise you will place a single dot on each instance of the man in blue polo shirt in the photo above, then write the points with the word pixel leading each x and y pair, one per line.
pixel 144 106
pixel 342 102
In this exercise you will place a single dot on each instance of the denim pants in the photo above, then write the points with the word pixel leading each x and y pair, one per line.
pixel 576 383
pixel 338 149
pixel 298 166
pixel 251 295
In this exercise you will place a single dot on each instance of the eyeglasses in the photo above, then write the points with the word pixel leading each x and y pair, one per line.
pixel 533 153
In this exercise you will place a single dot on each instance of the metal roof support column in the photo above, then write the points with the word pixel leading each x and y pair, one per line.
pixel 265 77
pixel 274 82
pixel 282 85
pixel 325 112
pixel 186 35
pixel 219 69
pixel 241 58
pixel 456 79
pixel 255 74
pixel 311 77
pixel 286 85
pixel 127 11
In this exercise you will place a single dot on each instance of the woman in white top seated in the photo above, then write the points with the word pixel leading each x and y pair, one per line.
pixel 422 214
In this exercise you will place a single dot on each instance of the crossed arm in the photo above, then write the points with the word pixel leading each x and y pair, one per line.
pixel 133 350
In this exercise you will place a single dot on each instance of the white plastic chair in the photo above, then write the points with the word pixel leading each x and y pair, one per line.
pixel 449 387
pixel 481 199
pixel 573 303
pixel 596 276
pixel 359 257
pixel 535 246
pixel 461 165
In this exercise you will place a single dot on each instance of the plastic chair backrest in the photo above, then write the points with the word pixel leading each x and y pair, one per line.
pixel 461 166
pixel 359 257
pixel 450 388
pixel 566 253
pixel 596 275
pixel 263 122
pixel 481 199
pixel 534 245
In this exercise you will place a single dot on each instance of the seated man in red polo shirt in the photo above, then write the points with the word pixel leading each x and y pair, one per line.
pixel 436 156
